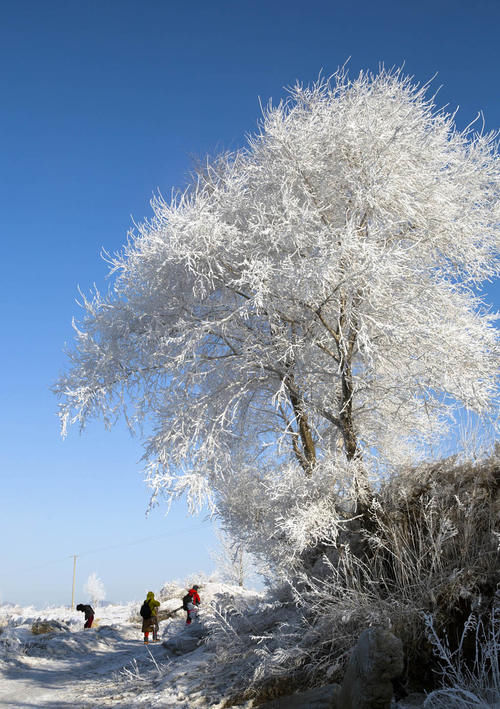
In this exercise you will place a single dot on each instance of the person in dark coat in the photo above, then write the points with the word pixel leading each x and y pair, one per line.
pixel 89 614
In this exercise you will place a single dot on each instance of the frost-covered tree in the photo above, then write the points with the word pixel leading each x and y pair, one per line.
pixel 233 563
pixel 94 588
pixel 315 297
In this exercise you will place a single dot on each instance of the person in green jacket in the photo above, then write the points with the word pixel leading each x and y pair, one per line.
pixel 151 623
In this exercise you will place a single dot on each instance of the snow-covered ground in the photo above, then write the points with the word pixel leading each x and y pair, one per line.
pixel 108 665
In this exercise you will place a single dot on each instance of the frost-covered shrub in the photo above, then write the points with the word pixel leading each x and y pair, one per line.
pixel 434 541
pixel 468 682
pixel 41 626
pixel 141 673
pixel 19 634
pixel 454 698
pixel 177 588
pixel 246 631
pixel 429 544
pixel 170 590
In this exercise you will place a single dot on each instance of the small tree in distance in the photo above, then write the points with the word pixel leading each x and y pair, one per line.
pixel 233 563
pixel 309 308
pixel 94 588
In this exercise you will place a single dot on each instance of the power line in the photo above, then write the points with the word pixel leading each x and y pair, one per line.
pixel 143 540
pixel 115 546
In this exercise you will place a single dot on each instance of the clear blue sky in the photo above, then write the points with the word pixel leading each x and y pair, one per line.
pixel 103 102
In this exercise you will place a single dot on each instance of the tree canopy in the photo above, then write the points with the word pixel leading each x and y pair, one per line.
pixel 314 296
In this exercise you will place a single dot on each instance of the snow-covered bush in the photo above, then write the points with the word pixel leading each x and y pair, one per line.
pixel 176 588
pixel 171 590
pixel 431 545
pixel 454 698
pixel 468 681
pixel 143 673
pixel 244 631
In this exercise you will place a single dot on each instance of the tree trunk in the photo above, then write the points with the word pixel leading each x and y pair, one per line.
pixel 307 457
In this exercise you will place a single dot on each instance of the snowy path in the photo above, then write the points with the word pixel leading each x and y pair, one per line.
pixel 92 680
pixel 108 665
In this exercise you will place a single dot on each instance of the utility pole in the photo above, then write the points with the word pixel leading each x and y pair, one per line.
pixel 73 590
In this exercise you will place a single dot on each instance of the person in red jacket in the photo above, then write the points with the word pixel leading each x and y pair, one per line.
pixel 191 602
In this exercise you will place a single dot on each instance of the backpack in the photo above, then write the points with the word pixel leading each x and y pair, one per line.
pixel 185 600
pixel 145 611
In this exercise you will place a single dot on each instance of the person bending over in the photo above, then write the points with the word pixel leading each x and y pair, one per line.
pixel 89 614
